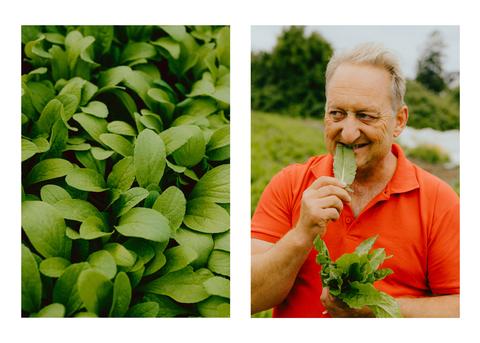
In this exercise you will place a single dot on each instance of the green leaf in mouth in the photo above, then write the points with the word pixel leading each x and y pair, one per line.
pixel 344 166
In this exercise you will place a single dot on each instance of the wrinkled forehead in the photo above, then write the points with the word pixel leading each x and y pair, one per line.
pixel 359 82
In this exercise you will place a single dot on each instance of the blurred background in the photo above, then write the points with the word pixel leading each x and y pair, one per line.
pixel 288 94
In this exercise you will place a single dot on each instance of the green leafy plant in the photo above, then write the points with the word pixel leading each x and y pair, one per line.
pixel 350 278
pixel 125 171
pixel 344 165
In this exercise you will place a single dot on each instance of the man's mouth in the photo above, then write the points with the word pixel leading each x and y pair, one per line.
pixel 355 147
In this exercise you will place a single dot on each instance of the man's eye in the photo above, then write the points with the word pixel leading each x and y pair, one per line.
pixel 337 114
pixel 365 117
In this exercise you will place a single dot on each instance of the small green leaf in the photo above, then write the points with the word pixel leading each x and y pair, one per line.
pixel 192 152
pixel 123 257
pixel 95 290
pixel 28 149
pixel 214 307
pixel 101 154
pixel 146 309
pixel 121 128
pixel 96 108
pixel 219 262
pixel 135 51
pixel 103 262
pixel 54 310
pixel 53 193
pixel 214 185
pixel 54 266
pixel 172 204
pixel 184 286
pixel 129 199
pixel 65 290
pixel 31 282
pixel 178 258
pixel 222 241
pixel 76 209
pixel 86 180
pixel 93 125
pixel 168 307
pixel 49 169
pixel 170 45
pixel 202 243
pixel 206 216
pixel 117 143
pixel 92 228
pixel 122 175
pixel 218 285
pixel 158 261
pixel 45 229
pixel 149 158
pixel 344 165
pixel 144 223
pixel 122 295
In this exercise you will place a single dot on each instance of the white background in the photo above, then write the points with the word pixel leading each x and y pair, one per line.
pixel 239 15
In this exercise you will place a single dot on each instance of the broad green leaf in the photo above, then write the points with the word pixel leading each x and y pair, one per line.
pixel 135 51
pixel 31 282
pixel 121 128
pixel 54 266
pixel 206 216
pixel 158 261
pixel 220 138
pixel 202 243
pixel 172 204
pixel 222 241
pixel 123 257
pixel 76 209
pixel 96 108
pixel 168 307
pixel 40 93
pixel 184 286
pixel 53 193
pixel 70 104
pixel 66 291
pixel 344 165
pixel 95 290
pixel 88 161
pixel 151 121
pixel 122 174
pixel 45 229
pixel 149 158
pixel 219 262
pixel 205 86
pixel 93 227
pixel 214 307
pixel 48 169
pixel 145 309
pixel 50 114
pixel 144 223
pixel 177 32
pixel 142 248
pixel 364 247
pixel 101 154
pixel 41 143
pixel 223 46
pixel 86 180
pixel 177 136
pixel 218 285
pixel 178 258
pixel 129 199
pixel 28 149
pixel 192 151
pixel 117 143
pixel 54 310
pixel 103 262
pixel 58 139
pixel 93 125
pixel 170 45
pixel 199 107
pixel 122 295
pixel 214 185
pixel 113 76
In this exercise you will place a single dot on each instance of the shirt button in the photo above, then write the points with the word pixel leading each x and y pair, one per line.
pixel 348 220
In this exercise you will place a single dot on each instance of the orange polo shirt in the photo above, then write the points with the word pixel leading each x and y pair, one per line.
pixel 416 217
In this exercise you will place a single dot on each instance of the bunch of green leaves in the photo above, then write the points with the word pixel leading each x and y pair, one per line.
pixel 350 278
pixel 125 171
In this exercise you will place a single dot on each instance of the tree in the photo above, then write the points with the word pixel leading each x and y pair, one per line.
pixel 291 79
pixel 429 68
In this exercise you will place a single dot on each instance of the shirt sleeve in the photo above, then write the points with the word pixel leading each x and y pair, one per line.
pixel 273 215
pixel 444 246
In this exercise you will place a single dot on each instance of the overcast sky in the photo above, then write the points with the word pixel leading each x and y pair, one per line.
pixel 407 42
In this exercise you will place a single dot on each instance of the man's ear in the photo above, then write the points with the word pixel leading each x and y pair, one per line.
pixel 401 119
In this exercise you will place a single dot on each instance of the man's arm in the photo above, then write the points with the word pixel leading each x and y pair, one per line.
pixel 442 306
pixel 275 266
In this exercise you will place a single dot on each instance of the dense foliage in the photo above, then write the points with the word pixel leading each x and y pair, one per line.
pixel 430 71
pixel 291 79
pixel 125 171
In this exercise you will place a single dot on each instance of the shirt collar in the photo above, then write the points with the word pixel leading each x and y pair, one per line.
pixel 403 180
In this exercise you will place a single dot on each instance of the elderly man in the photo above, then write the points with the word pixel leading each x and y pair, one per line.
pixel 415 214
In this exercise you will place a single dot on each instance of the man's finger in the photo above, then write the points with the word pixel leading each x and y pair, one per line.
pixel 325 181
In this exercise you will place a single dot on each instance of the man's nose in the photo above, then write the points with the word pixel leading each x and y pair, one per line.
pixel 350 130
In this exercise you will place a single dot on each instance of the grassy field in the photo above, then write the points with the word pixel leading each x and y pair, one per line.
pixel 278 141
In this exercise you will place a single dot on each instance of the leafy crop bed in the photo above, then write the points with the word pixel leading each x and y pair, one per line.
pixel 125 171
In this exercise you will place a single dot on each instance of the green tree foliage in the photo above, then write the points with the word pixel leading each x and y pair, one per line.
pixel 291 79
pixel 427 109
pixel 429 68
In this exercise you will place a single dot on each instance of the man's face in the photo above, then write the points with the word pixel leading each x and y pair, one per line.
pixel 359 112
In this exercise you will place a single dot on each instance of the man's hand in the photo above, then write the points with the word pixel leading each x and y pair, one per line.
pixel 338 309
pixel 321 202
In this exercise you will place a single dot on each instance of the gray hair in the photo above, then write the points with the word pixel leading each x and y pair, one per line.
pixel 377 55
